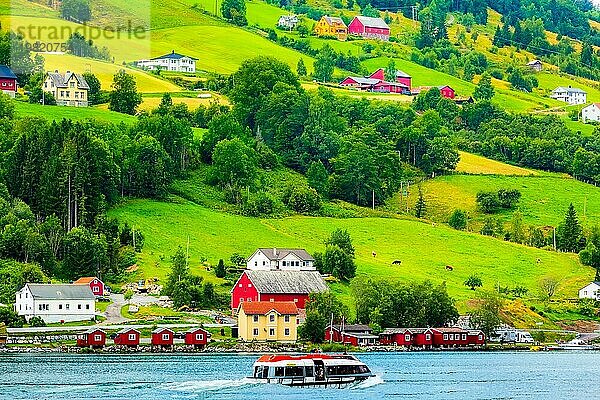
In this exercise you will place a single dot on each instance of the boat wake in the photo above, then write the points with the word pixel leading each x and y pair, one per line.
pixel 374 381
pixel 203 386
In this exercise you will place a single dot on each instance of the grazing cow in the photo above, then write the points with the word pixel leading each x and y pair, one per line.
pixel 396 262
pixel 374 254
pixel 449 268
pixel 538 261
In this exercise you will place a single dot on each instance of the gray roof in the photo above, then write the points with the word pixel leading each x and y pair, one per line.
pixel 353 328
pixel 364 81
pixel 275 254
pixel 301 282
pixel 534 62
pixel 61 292
pixel 568 90
pixel 332 20
pixel 160 329
pixel 402 74
pixel 60 81
pixel 372 22
pixel 125 330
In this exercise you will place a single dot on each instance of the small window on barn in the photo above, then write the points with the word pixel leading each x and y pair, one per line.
pixel 97 338
pixel 249 285
pixel 445 336
pixel 295 300
pixel 240 285
pixel 480 337
pixel 165 336
pixel 199 336
pixel 249 299
pixel 95 289
pixel 464 336
pixel 255 318
pixel 407 337
pixel 132 336
pixel 271 300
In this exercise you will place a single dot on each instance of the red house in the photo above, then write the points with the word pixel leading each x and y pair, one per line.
pixel 93 337
pixel 162 337
pixel 128 337
pixel 397 336
pixel 369 27
pixel 355 335
pixel 404 78
pixel 8 81
pixel 197 337
pixel 450 337
pixel 391 87
pixel 360 82
pixel 447 92
pixel 293 286
pixel 476 338
pixel 95 284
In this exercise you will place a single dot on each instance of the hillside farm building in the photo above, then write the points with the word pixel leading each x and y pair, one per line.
pixel 56 303
pixel 369 28
pixel 70 89
pixel 331 26
pixel 169 62
pixel 8 81
pixel 569 95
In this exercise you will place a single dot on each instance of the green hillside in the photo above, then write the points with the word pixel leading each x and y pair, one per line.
pixel 75 113
pixel 424 249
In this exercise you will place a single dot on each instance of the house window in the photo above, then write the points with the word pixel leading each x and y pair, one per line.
pixel 271 331
pixel 97 338
pixel 72 85
pixel 407 338
pixel 249 299
pixel 255 331
pixel 445 336
pixel 255 318
pixel 286 331
pixel 272 318
pixel 451 337
pixel 87 306
pixel 199 336
pixel 256 263
pixel 132 336
pixel 79 306
pixel 60 306
pixel 67 306
pixel 464 336
pixel 95 289
pixel 26 295
pixel 286 318
pixel 480 337
pixel 240 285
pixel 165 336
pixel 249 285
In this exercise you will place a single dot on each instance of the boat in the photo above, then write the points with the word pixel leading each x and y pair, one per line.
pixel 318 369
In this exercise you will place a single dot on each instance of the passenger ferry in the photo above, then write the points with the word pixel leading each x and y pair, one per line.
pixel 317 369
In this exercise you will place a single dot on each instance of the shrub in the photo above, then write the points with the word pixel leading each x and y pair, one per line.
pixel 303 199
pixel 458 220
pixel 37 322
pixel 259 204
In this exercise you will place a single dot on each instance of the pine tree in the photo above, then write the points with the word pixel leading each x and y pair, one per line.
pixel 301 68
pixel 497 41
pixel 484 90
pixel 420 206
pixel 570 232
pixel 220 271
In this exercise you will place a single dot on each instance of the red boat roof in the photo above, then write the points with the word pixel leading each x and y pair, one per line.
pixel 319 356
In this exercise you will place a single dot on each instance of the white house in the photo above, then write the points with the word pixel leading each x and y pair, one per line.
pixel 56 303
pixel 591 291
pixel 591 113
pixel 281 259
pixel 169 62
pixel 288 21
pixel 569 95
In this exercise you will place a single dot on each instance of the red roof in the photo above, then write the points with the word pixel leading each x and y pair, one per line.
pixel 318 356
pixel 264 307
pixel 84 281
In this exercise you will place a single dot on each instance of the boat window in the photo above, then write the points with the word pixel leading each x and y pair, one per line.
pixel 309 371
pixel 279 371
pixel 261 372
pixel 294 371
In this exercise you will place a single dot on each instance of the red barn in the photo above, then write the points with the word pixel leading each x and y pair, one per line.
pixel 391 87
pixel 423 337
pixel 369 27
pixel 404 78
pixel 128 337
pixel 397 336
pixel 401 78
pixel 447 92
pixel 8 81
pixel 95 284
pixel 355 335
pixel 476 338
pixel 162 337
pixel 197 337
pixel 292 286
pixel 93 337
pixel 360 82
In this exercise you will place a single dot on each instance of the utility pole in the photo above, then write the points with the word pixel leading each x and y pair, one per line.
pixel 373 199
pixel 133 232
pixel 554 239
pixel 187 252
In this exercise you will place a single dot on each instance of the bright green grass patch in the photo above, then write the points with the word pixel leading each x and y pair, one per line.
pixel 75 113
pixel 544 199
pixel 549 82
pixel 102 305
pixel 423 249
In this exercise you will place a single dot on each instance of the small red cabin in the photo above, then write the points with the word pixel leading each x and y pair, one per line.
pixel 476 338
pixel 396 336
pixel 162 337
pixel 450 337
pixel 197 337
pixel 94 338
pixel 8 81
pixel 355 335
pixel 95 284
pixel 128 337
pixel 447 92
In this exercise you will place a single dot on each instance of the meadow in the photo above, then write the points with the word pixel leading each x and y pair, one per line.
pixel 75 113
pixel 424 249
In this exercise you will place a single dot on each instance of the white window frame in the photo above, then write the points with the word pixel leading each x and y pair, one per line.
pixel 445 336
pixel 286 331
pixel 199 336
pixel 165 336
pixel 272 332
pixel 97 338
pixel 131 336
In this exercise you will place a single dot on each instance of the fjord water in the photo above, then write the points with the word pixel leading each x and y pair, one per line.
pixel 418 375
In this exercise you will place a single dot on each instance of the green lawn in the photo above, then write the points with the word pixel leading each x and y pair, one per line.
pixel 74 113
pixel 423 249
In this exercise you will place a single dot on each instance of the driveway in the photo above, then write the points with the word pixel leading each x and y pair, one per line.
pixel 113 311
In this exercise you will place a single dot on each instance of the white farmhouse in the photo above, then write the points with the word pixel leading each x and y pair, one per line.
pixel 169 62
pixel 591 113
pixel 288 21
pixel 590 291
pixel 56 303
pixel 569 95
pixel 281 259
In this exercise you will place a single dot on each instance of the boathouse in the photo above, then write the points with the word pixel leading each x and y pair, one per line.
pixel 128 337
pixel 197 337
pixel 162 337
pixel 355 335
pixel 93 337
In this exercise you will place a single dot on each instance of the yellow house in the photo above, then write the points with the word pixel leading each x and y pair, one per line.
pixel 69 90
pixel 262 321
pixel 331 26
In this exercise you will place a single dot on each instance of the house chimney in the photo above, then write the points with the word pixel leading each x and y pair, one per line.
pixel 275 251
pixel 56 71
pixel 68 72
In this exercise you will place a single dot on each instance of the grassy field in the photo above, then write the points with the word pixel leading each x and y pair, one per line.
pixel 424 249
pixel 152 100
pixel 544 200
pixel 474 164
pixel 74 113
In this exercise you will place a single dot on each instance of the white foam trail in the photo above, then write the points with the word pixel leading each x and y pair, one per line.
pixel 374 381
pixel 201 386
